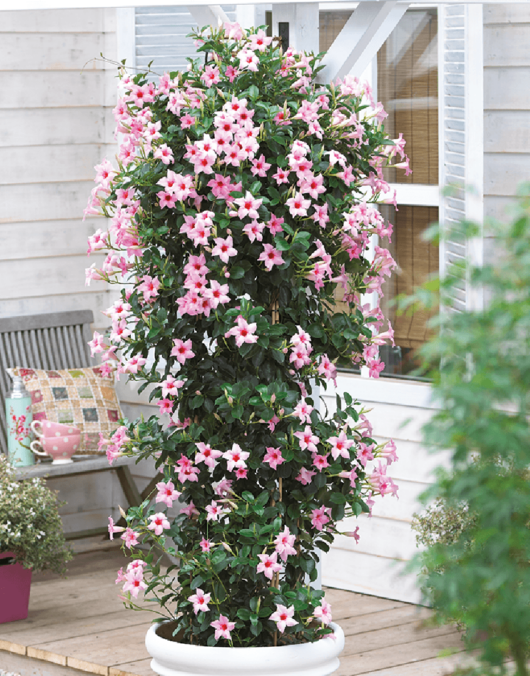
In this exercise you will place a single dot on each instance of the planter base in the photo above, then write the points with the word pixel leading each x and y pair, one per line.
pixel 15 581
pixel 305 659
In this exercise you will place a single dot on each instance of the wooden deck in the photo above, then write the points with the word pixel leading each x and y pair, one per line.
pixel 79 625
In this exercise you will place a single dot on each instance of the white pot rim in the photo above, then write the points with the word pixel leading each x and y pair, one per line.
pixel 171 658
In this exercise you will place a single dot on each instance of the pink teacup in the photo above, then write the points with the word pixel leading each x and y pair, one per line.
pixel 60 449
pixel 49 428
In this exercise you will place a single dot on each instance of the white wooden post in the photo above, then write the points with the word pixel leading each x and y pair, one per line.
pixel 361 38
pixel 303 24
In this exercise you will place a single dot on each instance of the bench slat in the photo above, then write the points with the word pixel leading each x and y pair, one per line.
pixel 24 323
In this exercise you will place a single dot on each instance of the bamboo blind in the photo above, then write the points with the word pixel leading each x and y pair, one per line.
pixel 407 85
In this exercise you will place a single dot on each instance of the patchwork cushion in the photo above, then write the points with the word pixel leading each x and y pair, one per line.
pixel 84 398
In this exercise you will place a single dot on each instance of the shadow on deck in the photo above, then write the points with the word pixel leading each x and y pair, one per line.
pixel 79 626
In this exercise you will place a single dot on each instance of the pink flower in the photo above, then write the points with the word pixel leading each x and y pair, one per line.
pixel 355 533
pixel 182 350
pixel 305 476
pixel 273 457
pixel 389 452
pixel 260 41
pixel 166 406
pixel 97 344
pixel 171 386
pixel 190 510
pixel 268 565
pixel 298 206
pixel 187 121
pixel 253 230
pixel 270 256
pixel 214 511
pixel 217 293
pixel 260 167
pixel 210 75
pixel 283 617
pixel 248 206
pixel 307 439
pixel 351 475
pixel 200 601
pixel 243 332
pixel 364 453
pixel 320 517
pixel 247 59
pixel 114 529
pixel 134 581
pixel 205 545
pixel 164 153
pixel 207 454
pixel 130 537
pixel 320 462
pixel 167 493
pixel 235 457
pixel 224 248
pixel 222 627
pixel 303 411
pixel 323 612
pixel 340 446
pixel 158 523
pixel 284 544
pixel 241 473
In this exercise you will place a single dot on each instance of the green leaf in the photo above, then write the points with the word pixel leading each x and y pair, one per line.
pixel 282 244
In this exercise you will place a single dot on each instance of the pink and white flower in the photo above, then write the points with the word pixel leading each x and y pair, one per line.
pixel 167 493
pixel 200 601
pixel 223 627
pixel 283 617
pixel 159 523
pixel 268 565
pixel 284 544
pixel 182 350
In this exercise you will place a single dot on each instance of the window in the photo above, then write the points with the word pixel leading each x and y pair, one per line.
pixel 405 80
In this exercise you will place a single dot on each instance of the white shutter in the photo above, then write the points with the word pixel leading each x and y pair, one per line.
pixel 461 136
pixel 160 37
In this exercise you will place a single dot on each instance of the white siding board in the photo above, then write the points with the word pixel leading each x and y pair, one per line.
pixel 503 171
pixel 45 276
pixel 367 574
pixel 50 51
pixel 55 126
pixel 45 201
pixel 52 164
pixel 507 45
pixel 497 207
pixel 508 12
pixel 506 88
pixel 507 131
pixel 57 90
pixel 45 238
pixel 95 299
pixel 53 21
pixel 387 538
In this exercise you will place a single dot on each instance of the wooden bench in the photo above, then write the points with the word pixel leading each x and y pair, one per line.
pixel 53 342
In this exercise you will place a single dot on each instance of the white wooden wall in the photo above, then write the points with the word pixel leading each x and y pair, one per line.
pixel 506 107
pixel 55 124
pixel 375 565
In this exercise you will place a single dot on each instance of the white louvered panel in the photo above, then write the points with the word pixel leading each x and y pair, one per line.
pixel 452 26
pixel 160 37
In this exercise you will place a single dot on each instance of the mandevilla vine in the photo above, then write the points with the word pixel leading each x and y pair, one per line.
pixel 243 203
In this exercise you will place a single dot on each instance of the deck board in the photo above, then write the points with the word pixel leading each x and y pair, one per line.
pixel 81 624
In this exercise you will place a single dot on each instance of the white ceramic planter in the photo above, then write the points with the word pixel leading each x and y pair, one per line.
pixel 305 659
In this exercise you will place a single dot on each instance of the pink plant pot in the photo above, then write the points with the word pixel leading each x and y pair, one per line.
pixel 15 581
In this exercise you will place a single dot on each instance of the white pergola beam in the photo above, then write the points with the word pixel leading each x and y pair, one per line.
pixel 361 38
pixel 208 15
pixel 109 4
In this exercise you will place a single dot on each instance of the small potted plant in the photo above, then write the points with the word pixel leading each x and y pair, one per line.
pixel 31 539
pixel 241 209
